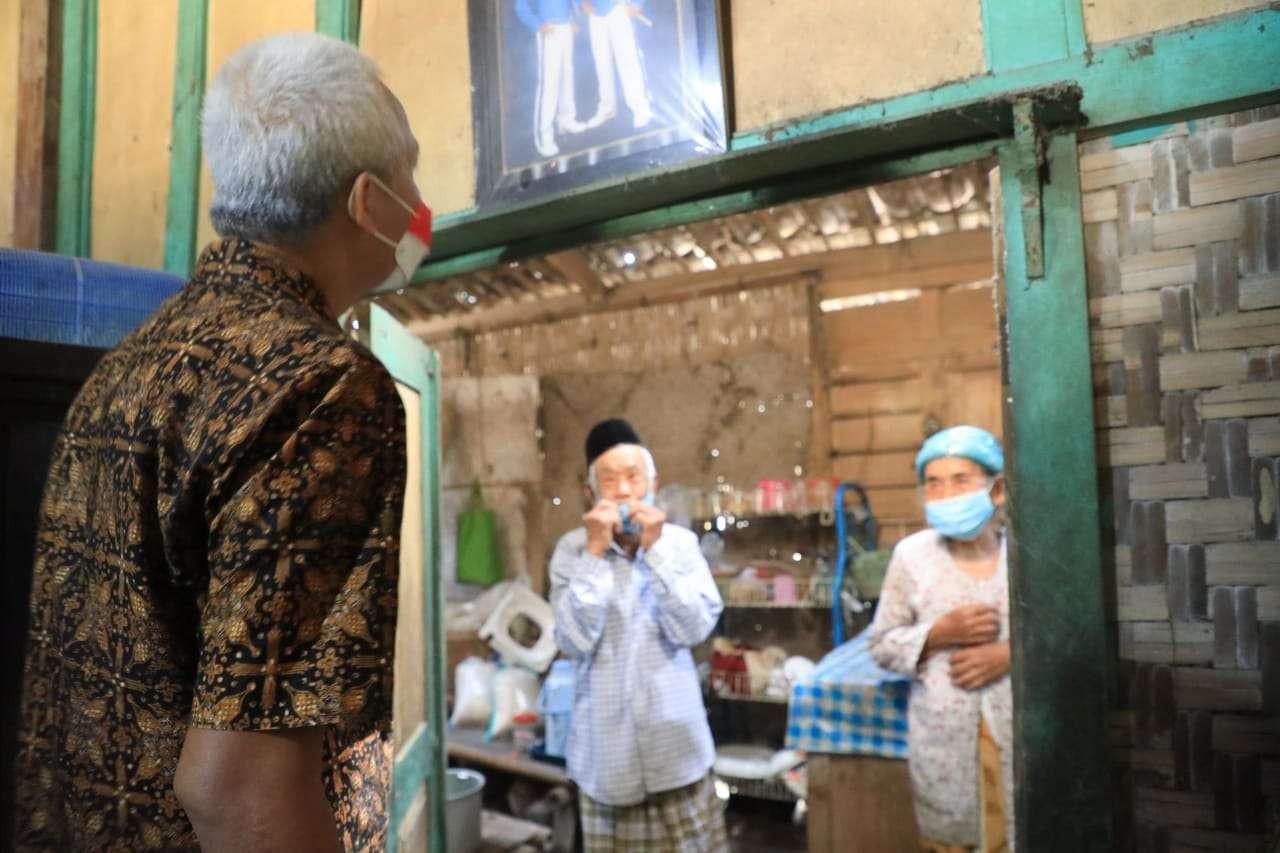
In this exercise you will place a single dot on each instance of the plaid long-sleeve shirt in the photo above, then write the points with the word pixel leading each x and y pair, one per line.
pixel 639 726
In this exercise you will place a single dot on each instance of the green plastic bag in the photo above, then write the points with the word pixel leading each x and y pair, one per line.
pixel 479 559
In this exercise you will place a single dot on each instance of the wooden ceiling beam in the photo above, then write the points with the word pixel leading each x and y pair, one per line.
pixel 856 270
pixel 574 266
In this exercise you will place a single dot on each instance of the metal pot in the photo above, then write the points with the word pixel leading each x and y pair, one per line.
pixel 463 791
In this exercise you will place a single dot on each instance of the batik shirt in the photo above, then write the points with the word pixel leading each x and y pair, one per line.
pixel 218 548
pixel 639 726
pixel 923 584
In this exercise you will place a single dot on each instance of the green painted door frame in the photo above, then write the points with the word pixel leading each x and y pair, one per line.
pixel 339 18
pixel 422 759
pixel 1057 623
pixel 182 214
pixel 77 111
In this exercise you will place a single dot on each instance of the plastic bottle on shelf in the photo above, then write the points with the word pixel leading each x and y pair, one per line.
pixel 524 732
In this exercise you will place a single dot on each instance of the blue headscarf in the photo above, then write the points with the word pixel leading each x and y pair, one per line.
pixel 968 442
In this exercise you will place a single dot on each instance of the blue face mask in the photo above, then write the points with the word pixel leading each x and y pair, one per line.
pixel 628 524
pixel 961 517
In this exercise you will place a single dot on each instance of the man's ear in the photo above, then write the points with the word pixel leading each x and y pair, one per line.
pixel 358 201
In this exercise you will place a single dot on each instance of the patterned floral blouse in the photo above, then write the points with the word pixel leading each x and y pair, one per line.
pixel 218 548
pixel 923 583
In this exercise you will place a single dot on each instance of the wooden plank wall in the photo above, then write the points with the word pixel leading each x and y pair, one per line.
pixel 10 28
pixel 134 118
pixel 1183 241
pixel 894 368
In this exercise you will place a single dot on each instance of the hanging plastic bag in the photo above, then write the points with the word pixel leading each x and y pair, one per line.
pixel 479 559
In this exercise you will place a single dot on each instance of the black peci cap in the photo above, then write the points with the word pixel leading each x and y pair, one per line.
pixel 608 434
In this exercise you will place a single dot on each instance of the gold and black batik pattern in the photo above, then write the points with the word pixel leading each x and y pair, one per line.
pixel 218 548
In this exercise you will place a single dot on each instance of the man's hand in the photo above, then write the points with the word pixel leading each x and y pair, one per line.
pixel 978 666
pixel 601 522
pixel 650 520
pixel 633 9
pixel 586 6
pixel 545 29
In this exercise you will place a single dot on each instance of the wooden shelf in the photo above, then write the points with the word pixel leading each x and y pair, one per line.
pixel 468 746
pixel 738 697
pixel 767 605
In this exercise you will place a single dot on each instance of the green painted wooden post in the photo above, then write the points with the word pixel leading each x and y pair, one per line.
pixel 413 364
pixel 339 18
pixel 1060 655
pixel 182 214
pixel 76 127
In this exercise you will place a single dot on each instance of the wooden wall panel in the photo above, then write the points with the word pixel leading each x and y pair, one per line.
pixel 10 27
pixel 974 398
pixel 131 149
pixel 862 333
pixel 1116 19
pixel 783 53
pixel 877 433
pixel 901 367
pixel 233 24
pixel 426 61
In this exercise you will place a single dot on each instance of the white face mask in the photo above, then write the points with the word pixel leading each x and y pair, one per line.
pixel 412 248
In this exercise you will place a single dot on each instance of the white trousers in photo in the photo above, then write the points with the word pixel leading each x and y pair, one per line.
pixel 555 107
pixel 613 41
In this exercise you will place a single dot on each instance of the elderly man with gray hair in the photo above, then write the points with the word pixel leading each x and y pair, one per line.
pixel 632 595
pixel 214 595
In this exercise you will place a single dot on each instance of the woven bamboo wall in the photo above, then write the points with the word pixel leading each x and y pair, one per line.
pixel 1183 241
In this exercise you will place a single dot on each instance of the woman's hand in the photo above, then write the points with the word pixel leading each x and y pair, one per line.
pixel 970 625
pixel 977 666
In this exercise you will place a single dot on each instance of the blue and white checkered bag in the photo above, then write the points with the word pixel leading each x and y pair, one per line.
pixel 850 706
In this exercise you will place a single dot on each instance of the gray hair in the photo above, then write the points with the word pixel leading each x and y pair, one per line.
pixel 650 468
pixel 288 121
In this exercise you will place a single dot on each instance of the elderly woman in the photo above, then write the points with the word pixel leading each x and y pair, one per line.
pixel 214 593
pixel 943 619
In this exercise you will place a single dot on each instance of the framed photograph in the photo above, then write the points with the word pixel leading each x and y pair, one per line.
pixel 571 92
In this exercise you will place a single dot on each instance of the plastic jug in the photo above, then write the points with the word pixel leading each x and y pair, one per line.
pixel 555 703
pixel 496 631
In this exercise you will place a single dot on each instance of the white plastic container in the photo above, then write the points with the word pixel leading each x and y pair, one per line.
pixel 496 631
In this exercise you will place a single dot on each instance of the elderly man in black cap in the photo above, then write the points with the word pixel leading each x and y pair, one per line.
pixel 632 594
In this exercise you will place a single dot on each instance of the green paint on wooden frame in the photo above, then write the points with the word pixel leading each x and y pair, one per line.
pixel 818 183
pixel 76 127
pixel 339 18
pixel 1059 646
pixel 1161 77
pixel 1017 34
pixel 413 364
pixel 182 215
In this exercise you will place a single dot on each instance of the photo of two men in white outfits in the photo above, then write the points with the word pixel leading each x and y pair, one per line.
pixel 567 93
pixel 618 59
